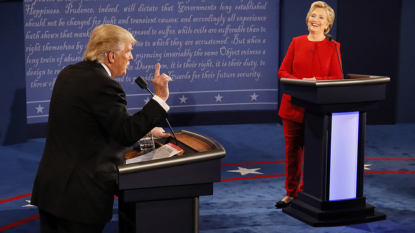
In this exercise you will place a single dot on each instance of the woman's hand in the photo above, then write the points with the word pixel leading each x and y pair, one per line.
pixel 310 79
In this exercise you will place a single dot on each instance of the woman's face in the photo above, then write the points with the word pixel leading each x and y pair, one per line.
pixel 317 21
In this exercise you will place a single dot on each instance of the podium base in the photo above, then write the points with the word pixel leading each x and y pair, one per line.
pixel 319 217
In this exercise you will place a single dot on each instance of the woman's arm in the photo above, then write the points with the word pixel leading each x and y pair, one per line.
pixel 286 65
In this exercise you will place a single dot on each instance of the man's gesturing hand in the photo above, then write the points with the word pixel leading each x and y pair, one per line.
pixel 161 84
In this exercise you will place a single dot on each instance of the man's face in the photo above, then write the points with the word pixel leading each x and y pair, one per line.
pixel 121 61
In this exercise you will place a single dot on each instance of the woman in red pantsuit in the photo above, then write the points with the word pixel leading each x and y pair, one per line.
pixel 309 57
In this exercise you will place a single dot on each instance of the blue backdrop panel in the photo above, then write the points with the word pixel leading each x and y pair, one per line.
pixel 221 55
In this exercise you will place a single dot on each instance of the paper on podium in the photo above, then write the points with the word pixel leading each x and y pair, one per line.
pixel 165 151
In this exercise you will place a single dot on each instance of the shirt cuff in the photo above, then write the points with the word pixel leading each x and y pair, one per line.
pixel 162 103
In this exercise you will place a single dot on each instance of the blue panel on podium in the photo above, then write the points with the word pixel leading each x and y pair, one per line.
pixel 343 155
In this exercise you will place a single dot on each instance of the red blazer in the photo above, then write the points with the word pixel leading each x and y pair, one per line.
pixel 307 59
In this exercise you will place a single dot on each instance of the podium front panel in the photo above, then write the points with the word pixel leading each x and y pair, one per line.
pixel 343 155
pixel 162 195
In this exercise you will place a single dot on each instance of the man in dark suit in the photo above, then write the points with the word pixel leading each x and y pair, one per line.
pixel 88 129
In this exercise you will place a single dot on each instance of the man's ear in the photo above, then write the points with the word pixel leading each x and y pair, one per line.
pixel 110 57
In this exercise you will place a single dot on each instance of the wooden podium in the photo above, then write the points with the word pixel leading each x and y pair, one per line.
pixel 334 136
pixel 163 195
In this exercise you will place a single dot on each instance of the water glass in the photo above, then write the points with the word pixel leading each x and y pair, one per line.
pixel 147 143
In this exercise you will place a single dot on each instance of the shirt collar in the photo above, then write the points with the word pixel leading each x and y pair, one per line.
pixel 107 69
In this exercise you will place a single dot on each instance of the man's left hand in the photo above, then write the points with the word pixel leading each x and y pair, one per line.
pixel 159 132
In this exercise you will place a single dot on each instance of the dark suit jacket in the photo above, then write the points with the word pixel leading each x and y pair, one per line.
pixel 307 59
pixel 88 129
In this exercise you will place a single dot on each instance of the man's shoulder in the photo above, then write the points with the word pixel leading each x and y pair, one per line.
pixel 88 65
pixel 86 76
pixel 83 69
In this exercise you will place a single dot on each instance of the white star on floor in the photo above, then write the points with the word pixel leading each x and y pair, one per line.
pixel 29 205
pixel 183 99
pixel 146 100
pixel 245 171
pixel 366 166
pixel 218 98
pixel 253 97
pixel 40 109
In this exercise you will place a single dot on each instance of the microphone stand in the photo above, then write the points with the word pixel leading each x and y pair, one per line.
pixel 330 38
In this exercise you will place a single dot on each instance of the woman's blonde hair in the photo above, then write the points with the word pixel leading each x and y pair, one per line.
pixel 106 38
pixel 329 11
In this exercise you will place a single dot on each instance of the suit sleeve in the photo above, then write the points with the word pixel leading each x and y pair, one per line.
pixel 109 108
pixel 287 64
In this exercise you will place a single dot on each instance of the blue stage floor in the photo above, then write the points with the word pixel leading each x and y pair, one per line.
pixel 245 203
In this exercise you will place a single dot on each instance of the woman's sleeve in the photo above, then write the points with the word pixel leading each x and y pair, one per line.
pixel 286 65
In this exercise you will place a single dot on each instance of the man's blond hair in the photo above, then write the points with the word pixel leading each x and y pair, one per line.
pixel 106 38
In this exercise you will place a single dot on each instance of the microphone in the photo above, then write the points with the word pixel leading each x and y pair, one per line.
pixel 330 38
pixel 143 85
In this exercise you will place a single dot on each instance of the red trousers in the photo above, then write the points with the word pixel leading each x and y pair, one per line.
pixel 294 146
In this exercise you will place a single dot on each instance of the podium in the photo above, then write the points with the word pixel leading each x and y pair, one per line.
pixel 334 136
pixel 163 195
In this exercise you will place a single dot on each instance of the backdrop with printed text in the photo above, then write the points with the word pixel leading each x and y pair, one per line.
pixel 222 55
